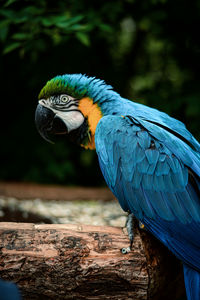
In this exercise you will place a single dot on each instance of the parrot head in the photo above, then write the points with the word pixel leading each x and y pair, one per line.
pixel 71 105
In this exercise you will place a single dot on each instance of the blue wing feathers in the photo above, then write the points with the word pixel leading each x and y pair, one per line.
pixel 134 206
pixel 143 139
pixel 137 179
pixel 149 208
pixel 193 202
pixel 155 169
pixel 147 181
pixel 162 168
pixel 168 183
pixel 145 113
pixel 159 184
pixel 192 283
pixel 143 166
pixel 176 206
pixel 171 162
pixel 152 155
pixel 181 239
pixel 152 168
pixel 148 168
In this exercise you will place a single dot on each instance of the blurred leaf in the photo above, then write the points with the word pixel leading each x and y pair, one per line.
pixel 11 47
pixel 105 27
pixel 61 21
pixel 4 27
pixel 20 36
pixel 47 22
pixel 56 37
pixel 83 38
pixel 75 19
pixel 53 20
pixel 9 2
pixel 7 13
pixel 79 27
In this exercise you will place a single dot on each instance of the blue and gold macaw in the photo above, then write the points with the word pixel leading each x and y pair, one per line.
pixel 149 160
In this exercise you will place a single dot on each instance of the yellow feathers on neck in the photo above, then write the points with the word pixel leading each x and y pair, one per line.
pixel 93 114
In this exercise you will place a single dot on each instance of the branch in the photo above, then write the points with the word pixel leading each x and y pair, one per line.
pixel 68 261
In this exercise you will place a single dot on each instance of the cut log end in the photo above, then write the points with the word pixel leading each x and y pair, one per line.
pixel 68 261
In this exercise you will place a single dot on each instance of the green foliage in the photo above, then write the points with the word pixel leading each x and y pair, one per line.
pixel 32 26
pixel 148 50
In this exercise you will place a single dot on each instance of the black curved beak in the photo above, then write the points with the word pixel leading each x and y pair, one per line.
pixel 48 124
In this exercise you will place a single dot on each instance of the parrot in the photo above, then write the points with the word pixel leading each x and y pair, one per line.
pixel 149 160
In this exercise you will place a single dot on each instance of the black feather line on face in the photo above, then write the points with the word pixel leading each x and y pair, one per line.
pixel 62 108
pixel 56 103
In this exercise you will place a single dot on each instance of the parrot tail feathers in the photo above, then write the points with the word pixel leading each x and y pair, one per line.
pixel 192 283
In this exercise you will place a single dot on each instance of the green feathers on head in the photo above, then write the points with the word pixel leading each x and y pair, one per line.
pixel 61 85
pixel 79 86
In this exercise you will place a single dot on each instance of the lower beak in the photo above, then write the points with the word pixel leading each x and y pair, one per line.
pixel 48 123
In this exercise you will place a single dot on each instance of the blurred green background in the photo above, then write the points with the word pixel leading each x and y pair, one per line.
pixel 149 51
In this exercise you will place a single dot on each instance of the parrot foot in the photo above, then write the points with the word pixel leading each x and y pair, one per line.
pixel 130 222
pixel 125 250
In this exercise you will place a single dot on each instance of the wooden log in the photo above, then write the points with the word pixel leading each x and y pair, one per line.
pixel 64 261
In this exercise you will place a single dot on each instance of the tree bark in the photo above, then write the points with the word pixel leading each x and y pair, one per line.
pixel 64 261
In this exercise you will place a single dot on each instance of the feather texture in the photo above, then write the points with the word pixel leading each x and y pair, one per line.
pixel 147 165
pixel 155 175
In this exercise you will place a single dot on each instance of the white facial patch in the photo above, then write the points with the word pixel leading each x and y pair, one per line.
pixel 72 118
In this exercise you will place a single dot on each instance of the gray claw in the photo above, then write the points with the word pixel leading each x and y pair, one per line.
pixel 125 250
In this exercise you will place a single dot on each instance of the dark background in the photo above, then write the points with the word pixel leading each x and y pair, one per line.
pixel 149 51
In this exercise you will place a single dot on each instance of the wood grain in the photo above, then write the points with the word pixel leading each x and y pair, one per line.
pixel 65 261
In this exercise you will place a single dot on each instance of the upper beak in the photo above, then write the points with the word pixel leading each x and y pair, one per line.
pixel 48 123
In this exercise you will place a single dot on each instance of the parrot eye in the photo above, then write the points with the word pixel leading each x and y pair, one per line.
pixel 64 98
